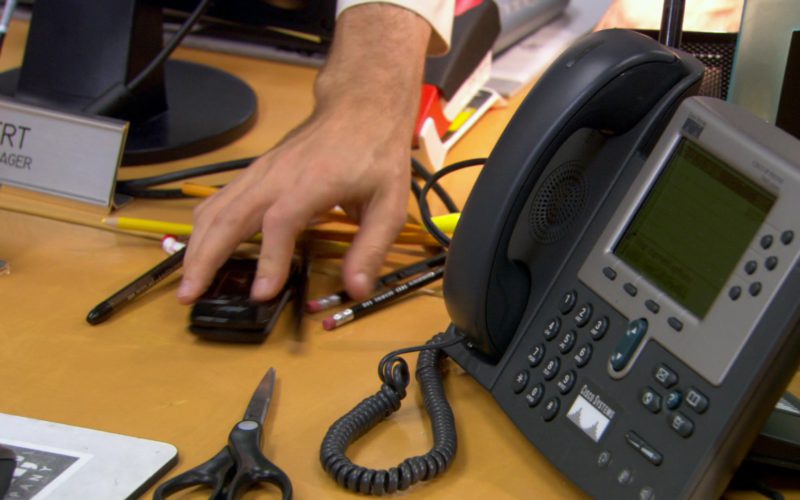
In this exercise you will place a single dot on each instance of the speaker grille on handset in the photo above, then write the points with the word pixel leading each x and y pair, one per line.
pixel 558 202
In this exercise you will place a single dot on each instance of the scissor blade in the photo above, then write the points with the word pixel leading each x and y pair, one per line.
pixel 259 403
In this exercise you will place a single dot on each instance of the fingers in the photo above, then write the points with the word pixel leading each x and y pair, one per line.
pixel 220 224
pixel 282 223
pixel 378 229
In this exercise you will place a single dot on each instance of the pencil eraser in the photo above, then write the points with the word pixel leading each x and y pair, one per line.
pixel 329 323
pixel 313 306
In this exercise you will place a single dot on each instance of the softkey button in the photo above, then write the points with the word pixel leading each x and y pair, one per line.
pixel 627 346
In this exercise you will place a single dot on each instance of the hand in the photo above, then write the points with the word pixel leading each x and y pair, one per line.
pixel 354 151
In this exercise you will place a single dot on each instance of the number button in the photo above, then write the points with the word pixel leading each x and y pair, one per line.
pixel 567 342
pixel 583 355
pixel 550 369
pixel 534 397
pixel 551 409
pixel 583 315
pixel 568 302
pixel 566 382
pixel 552 328
pixel 536 355
pixel 599 328
pixel 520 381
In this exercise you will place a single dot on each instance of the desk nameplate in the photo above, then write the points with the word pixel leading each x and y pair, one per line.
pixel 60 154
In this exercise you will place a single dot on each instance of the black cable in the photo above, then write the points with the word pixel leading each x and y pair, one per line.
pixel 170 46
pixel 393 371
pixel 138 187
pixel 153 194
pixel 120 94
pixel 443 195
pixel 424 209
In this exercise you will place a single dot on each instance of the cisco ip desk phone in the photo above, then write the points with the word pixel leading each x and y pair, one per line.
pixel 628 283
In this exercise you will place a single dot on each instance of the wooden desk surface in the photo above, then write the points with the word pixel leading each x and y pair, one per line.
pixel 142 374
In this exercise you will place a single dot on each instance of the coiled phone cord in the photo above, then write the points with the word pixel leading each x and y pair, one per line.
pixel 393 371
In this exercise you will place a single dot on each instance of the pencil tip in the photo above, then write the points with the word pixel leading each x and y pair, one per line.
pixel 99 313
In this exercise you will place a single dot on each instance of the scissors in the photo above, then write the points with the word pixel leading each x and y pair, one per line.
pixel 240 464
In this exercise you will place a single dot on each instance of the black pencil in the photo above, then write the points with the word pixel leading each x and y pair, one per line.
pixel 148 280
pixel 378 301
pixel 391 278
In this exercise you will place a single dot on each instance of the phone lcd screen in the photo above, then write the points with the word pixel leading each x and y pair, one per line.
pixel 693 227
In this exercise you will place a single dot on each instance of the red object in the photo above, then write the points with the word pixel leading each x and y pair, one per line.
pixel 430 106
pixel 465 5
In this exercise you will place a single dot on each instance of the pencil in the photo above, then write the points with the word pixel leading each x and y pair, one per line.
pixel 335 299
pixel 179 229
pixel 378 301
pixel 145 282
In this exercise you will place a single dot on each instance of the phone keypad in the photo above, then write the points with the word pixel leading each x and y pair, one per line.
pixel 568 338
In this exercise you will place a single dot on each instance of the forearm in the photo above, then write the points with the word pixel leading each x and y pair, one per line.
pixel 375 66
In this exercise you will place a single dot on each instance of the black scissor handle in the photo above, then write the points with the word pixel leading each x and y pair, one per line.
pixel 211 473
pixel 244 443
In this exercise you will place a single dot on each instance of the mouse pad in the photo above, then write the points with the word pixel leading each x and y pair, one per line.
pixel 62 461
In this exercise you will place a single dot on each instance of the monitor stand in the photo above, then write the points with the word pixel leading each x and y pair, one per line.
pixel 182 109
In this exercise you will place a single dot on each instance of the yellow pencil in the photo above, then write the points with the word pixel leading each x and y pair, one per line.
pixel 178 229
pixel 148 225
pixel 446 223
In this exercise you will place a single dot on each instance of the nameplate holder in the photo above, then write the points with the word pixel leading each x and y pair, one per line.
pixel 67 156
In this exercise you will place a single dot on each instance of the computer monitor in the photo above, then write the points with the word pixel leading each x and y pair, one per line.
pixel 77 51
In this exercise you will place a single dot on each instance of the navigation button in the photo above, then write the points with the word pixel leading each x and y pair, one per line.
pixel 627 346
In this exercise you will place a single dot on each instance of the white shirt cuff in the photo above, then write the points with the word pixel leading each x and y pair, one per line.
pixel 439 13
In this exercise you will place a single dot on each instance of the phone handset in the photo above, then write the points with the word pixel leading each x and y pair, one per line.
pixel 607 81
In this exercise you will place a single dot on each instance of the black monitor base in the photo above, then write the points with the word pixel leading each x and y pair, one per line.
pixel 206 109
